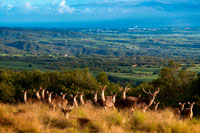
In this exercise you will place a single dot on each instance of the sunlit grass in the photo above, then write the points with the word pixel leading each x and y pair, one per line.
pixel 40 118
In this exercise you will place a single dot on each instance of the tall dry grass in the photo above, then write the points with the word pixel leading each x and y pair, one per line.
pixel 40 118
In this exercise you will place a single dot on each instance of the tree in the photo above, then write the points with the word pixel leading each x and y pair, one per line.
pixel 102 78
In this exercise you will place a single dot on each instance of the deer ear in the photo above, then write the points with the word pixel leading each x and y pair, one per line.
pixel 188 102
pixel 193 103
pixel 179 103
pixel 61 93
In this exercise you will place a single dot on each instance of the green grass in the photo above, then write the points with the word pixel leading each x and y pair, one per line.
pixel 21 65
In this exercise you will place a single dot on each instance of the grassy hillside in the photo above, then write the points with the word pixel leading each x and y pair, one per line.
pixel 40 118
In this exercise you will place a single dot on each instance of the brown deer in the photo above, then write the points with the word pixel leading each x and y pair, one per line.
pixel 63 95
pixel 156 105
pixel 67 111
pixel 126 102
pixel 32 100
pixel 178 111
pixel 144 104
pixel 83 102
pixel 187 112
pixel 56 101
pixel 44 98
pixel 73 101
pixel 107 100
pixel 97 102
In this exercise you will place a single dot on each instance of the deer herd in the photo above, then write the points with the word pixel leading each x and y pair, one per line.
pixel 126 102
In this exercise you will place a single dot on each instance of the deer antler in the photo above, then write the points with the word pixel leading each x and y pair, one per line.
pixel 145 91
pixel 158 90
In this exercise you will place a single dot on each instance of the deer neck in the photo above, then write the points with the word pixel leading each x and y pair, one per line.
pixel 25 97
pixel 124 95
pixel 63 96
pixel 75 102
pixel 114 99
pixel 49 99
pixel 43 94
pixel 191 110
pixel 150 102
pixel 103 96
pixel 38 95
pixel 182 107
pixel 81 99
pixel 95 97
pixel 156 107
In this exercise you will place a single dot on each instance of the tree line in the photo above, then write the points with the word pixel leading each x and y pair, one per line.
pixel 176 84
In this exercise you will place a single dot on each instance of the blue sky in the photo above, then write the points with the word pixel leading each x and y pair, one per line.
pixel 120 13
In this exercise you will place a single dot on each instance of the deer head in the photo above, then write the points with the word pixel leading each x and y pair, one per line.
pixel 191 104
pixel 150 94
pixel 182 106
pixel 37 93
pixel 63 95
pixel 49 95
pixel 43 92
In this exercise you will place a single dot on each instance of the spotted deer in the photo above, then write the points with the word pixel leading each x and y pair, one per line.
pixel 56 101
pixel 107 100
pixel 187 112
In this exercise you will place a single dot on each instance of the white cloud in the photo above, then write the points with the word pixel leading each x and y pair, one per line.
pixel 28 5
pixel 9 7
pixel 63 8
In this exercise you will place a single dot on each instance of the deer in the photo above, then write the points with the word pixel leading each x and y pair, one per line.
pixel 97 102
pixel 126 102
pixel 156 105
pixel 187 112
pixel 107 100
pixel 56 101
pixel 31 100
pixel 63 95
pixel 83 102
pixel 178 111
pixel 144 104
pixel 43 94
pixel 73 102
pixel 67 111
